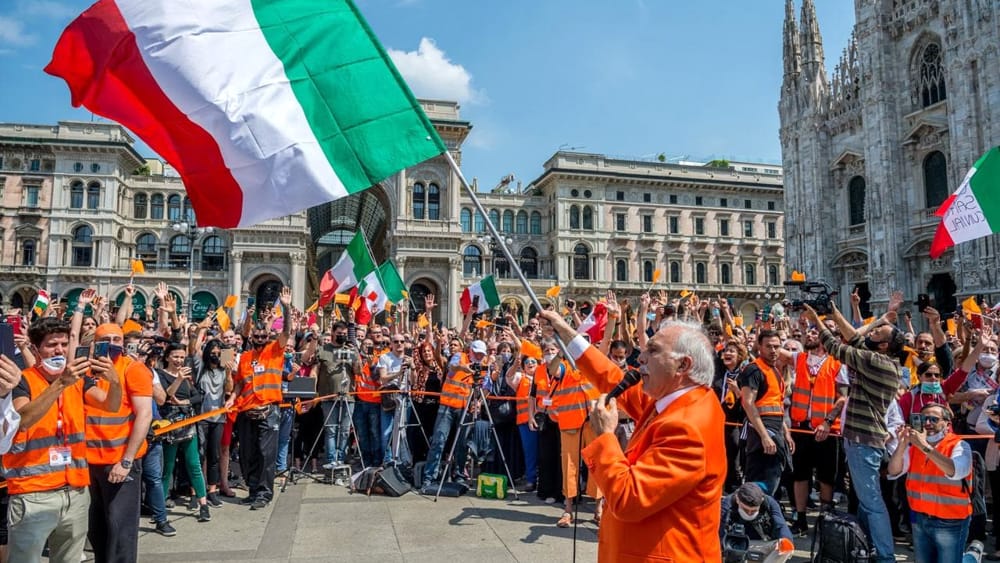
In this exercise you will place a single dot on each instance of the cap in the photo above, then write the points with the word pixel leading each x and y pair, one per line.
pixel 477 347
pixel 108 329
pixel 750 494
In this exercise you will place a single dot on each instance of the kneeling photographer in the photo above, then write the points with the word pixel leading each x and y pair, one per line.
pixel 749 515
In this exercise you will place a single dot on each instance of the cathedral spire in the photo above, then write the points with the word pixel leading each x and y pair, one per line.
pixel 790 52
pixel 812 42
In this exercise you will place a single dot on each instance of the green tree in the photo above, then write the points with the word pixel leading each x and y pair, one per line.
pixel 718 163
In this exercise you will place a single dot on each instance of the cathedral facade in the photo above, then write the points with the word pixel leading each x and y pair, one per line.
pixel 870 152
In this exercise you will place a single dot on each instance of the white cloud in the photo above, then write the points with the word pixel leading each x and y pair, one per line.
pixel 13 34
pixel 431 74
pixel 46 8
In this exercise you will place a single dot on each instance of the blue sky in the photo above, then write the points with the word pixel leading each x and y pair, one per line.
pixel 631 78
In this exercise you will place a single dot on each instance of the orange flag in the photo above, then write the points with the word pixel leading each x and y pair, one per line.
pixel 422 321
pixel 342 299
pixel 131 326
pixel 231 301
pixel 138 267
pixel 553 292
pixel 685 293
pixel 798 276
pixel 738 320
pixel 952 330
pixel 483 324
pixel 970 306
pixel 223 319
pixel 656 275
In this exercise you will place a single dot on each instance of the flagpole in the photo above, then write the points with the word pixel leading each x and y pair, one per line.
pixel 506 251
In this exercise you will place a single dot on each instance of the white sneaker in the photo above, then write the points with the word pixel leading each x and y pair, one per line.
pixel 338 482
pixel 550 500
pixel 330 465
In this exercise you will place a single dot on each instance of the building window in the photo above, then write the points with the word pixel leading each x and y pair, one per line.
pixel 931 83
pixel 619 196
pixel 83 246
pixel 672 199
pixel 501 268
pixel 675 272
pixel 213 254
pixel 574 193
pixel 647 197
pixel 156 206
pixel 139 206
pixel 749 274
pixel 647 271
pixel 675 225
pixel 647 223
pixel 465 219
pixel 508 221
pixel 78 167
pixel 620 222
pixel 419 196
pixel 699 225
pixel 28 252
pixel 748 229
pixel 188 211
pixel 433 202
pixel 772 230
pixel 495 218
pixel 723 227
pixel 698 200
pixel 855 200
pixel 700 273
pixel 935 179
pixel 621 270
pixel 479 222
pixel 145 248
pixel 747 204
pixel 95 168
pixel 31 196
pixel 93 195
pixel 574 217
pixel 521 223
pixel 772 274
pixel 588 218
pixel 581 263
pixel 536 223
pixel 771 206
pixel 174 208
pixel 529 262
pixel 472 261
pixel 76 195
pixel 723 202
pixel 725 274
pixel 180 252
pixel 34 165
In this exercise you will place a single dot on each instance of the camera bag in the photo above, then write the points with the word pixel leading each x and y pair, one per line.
pixel 391 483
pixel 838 538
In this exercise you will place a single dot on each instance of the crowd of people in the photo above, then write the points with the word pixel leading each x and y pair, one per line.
pixel 810 411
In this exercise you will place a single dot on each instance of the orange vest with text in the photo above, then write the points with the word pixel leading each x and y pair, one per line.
pixel 523 393
pixel 929 491
pixel 819 393
pixel 457 387
pixel 571 400
pixel 260 375
pixel 108 433
pixel 26 466
pixel 773 402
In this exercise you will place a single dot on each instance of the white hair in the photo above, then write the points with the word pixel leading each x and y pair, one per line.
pixel 691 342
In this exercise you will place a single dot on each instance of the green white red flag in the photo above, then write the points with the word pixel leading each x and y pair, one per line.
pixel 265 107
pixel 354 264
pixel 973 211
pixel 486 292
pixel 41 303
pixel 381 287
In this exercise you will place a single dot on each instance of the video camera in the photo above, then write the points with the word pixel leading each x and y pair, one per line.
pixel 738 548
pixel 816 294
pixel 477 372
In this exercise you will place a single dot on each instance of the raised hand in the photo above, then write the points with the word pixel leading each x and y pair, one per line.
pixel 168 304
pixel 855 297
pixel 286 296
pixel 10 375
pixel 160 291
pixel 429 303
pixel 895 300
pixel 86 297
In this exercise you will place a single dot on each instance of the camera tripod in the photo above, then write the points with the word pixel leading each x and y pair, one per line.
pixel 404 406
pixel 339 405
pixel 476 393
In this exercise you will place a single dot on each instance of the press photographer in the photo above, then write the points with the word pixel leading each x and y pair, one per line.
pixel 748 515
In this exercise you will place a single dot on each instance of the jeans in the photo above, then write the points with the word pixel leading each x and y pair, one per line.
pixel 285 437
pixel 367 426
pixel 114 514
pixel 447 418
pixel 337 428
pixel 385 435
pixel 152 477
pixel 865 463
pixel 259 452
pixel 529 443
pixel 938 539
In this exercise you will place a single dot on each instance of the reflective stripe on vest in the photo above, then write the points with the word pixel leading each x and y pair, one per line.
pixel 365 386
pixel 929 491
pixel 523 399
pixel 572 404
pixel 108 432
pixel 46 443
pixel 822 392
pixel 457 387
pixel 773 402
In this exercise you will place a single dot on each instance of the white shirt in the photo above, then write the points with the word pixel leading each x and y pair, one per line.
pixel 11 423
pixel 893 420
pixel 663 402
pixel 392 363
pixel 961 456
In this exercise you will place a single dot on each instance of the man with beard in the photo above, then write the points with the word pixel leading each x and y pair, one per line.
pixel 337 366
pixel 257 391
pixel 768 440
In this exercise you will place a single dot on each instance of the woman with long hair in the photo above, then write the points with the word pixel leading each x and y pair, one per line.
pixel 215 381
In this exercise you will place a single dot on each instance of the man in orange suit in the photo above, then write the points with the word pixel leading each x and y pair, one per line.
pixel 664 491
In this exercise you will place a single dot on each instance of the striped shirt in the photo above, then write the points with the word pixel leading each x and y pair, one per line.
pixel 874 382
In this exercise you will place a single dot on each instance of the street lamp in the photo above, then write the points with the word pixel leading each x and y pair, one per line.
pixel 190 231
pixel 493 244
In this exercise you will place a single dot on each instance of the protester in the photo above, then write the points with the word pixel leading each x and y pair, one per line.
pixel 769 444
pixel 214 381
pixel 337 365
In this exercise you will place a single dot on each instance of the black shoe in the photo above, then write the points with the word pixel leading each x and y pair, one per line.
pixel 258 504
pixel 800 528
pixel 203 514
pixel 193 503
pixel 247 501
pixel 165 529
pixel 213 499
pixel 529 488
pixel 169 503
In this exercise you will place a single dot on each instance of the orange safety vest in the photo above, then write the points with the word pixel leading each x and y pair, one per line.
pixel 260 374
pixel 366 386
pixel 821 393
pixel 929 491
pixel 108 432
pixel 773 402
pixel 571 400
pixel 457 387
pixel 523 393
pixel 27 466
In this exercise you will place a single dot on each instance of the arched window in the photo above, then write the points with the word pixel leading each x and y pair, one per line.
pixel 145 248
pixel 495 218
pixel 935 179
pixel 675 272
pixel 472 261
pixel 749 274
pixel 465 219
pixel 725 274
pixel 83 246
pixel 433 202
pixel 536 223
pixel 588 218
pixel 501 267
pixel 647 271
pixel 93 195
pixel 213 254
pixel 76 195
pixel 521 223
pixel 700 273
pixel 931 80
pixel 139 206
pixel 180 252
pixel 574 217
pixel 621 270
pixel 856 200
pixel 174 208
pixel 529 262
pixel 28 251
pixel 156 206
pixel 508 221
pixel 418 201
pixel 479 222
pixel 772 274
pixel 188 212
pixel 581 262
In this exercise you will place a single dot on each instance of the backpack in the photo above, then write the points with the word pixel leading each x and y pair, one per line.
pixel 975 484
pixel 838 538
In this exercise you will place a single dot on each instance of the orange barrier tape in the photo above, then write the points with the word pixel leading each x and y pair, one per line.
pixel 189 421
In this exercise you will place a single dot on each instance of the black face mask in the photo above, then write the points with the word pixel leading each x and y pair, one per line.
pixel 115 352
pixel 213 358
pixel 340 339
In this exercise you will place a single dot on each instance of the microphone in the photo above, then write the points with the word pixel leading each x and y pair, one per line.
pixel 632 377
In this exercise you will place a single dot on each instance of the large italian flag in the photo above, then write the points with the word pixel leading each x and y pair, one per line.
pixel 351 268
pixel 973 211
pixel 265 107
pixel 485 290
pixel 382 286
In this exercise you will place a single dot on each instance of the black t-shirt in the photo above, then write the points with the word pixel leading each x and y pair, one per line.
pixel 752 377
pixel 22 389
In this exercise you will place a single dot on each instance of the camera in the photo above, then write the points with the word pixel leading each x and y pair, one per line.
pixel 477 371
pixel 816 294
pixel 736 544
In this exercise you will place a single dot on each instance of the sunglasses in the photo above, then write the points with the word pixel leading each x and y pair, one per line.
pixel 931 419
pixel 398 341
pixel 933 374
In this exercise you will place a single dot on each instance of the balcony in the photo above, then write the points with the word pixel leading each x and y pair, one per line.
pixel 29 211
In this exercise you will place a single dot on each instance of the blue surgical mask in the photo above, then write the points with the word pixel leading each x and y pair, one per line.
pixel 651 316
pixel 54 365
pixel 932 388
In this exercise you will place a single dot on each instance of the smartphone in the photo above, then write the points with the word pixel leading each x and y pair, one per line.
pixel 251 301
pixel 917 421
pixel 15 322
pixel 923 302
pixel 82 352
pixel 475 301
pixel 297 357
pixel 101 349
pixel 226 356
pixel 132 348
pixel 7 347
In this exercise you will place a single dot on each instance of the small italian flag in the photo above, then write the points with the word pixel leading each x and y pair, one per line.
pixel 41 302
pixel 973 211
pixel 353 265
pixel 486 290
pixel 381 287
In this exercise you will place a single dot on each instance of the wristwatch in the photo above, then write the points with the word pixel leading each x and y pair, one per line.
pixel 126 463
pixel 829 422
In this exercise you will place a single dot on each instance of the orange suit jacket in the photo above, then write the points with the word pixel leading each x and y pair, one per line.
pixel 664 492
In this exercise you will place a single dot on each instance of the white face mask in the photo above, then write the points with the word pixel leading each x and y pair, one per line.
pixel 54 365
pixel 747 515
pixel 987 360
pixel 547 358
pixel 936 437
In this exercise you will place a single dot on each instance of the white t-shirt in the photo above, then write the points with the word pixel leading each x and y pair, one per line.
pixel 392 364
